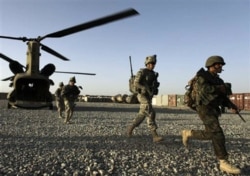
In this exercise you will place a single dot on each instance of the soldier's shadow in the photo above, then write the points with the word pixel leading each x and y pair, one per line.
pixel 245 170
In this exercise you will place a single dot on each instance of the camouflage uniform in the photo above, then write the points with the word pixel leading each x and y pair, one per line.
pixel 145 78
pixel 212 93
pixel 70 93
pixel 147 85
pixel 209 111
pixel 59 99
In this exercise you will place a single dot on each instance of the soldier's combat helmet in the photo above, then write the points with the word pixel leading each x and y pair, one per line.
pixel 150 59
pixel 72 79
pixel 213 60
pixel 61 84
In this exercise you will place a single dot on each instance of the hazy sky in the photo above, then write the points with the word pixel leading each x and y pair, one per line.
pixel 182 33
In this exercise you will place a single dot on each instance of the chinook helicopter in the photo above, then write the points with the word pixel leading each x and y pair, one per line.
pixel 31 85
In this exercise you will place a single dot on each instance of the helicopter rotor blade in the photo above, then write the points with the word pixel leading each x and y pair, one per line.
pixel 6 58
pixel 53 52
pixel 91 24
pixel 24 39
pixel 9 78
pixel 80 73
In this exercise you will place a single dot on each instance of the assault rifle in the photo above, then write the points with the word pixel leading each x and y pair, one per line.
pixel 153 90
pixel 237 111
pixel 148 90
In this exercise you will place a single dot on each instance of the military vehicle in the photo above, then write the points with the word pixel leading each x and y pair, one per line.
pixel 30 84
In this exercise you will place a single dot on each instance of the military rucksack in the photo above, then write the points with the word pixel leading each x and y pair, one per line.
pixel 191 93
pixel 192 90
pixel 132 87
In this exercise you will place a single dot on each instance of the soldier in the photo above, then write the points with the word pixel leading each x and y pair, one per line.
pixel 146 84
pixel 212 93
pixel 70 93
pixel 59 99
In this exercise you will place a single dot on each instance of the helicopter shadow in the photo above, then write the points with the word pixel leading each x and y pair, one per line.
pixel 117 107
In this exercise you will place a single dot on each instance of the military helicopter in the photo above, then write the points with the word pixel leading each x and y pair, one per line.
pixel 31 85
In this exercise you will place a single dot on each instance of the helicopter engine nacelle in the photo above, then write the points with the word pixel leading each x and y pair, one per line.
pixel 16 67
pixel 48 70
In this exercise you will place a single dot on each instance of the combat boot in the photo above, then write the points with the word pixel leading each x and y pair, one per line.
pixel 66 120
pixel 156 137
pixel 60 115
pixel 130 130
pixel 186 134
pixel 230 169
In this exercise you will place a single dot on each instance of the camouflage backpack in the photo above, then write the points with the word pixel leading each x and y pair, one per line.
pixel 132 87
pixel 191 93
pixel 192 89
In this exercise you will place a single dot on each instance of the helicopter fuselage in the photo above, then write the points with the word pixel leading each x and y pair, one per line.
pixel 31 88
pixel 30 91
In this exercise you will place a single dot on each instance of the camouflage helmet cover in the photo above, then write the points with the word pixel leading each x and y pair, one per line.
pixel 61 84
pixel 214 59
pixel 150 59
pixel 72 79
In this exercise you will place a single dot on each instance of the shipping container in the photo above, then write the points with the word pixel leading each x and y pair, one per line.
pixel 164 100
pixel 247 101
pixel 238 100
pixel 180 100
pixel 154 101
pixel 172 101
pixel 158 100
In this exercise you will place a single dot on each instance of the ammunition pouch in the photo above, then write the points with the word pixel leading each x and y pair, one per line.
pixel 155 91
pixel 156 84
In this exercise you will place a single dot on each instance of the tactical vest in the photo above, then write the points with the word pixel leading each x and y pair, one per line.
pixel 147 78
pixel 70 92
pixel 195 94
pixel 215 98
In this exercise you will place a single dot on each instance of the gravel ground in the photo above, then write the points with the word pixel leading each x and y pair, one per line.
pixel 37 142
